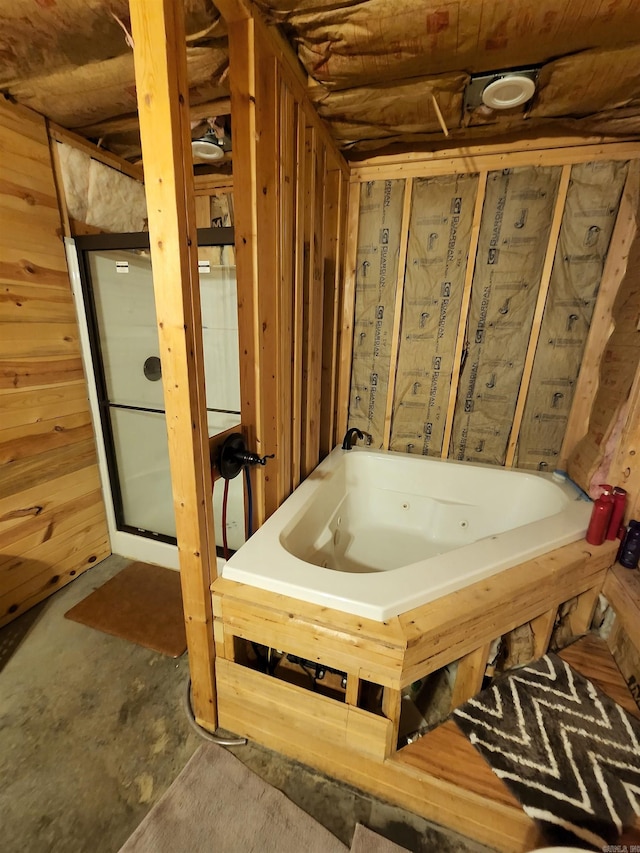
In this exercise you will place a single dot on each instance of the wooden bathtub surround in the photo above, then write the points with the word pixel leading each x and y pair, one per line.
pixel 470 675
pixel 446 755
pixel 622 591
pixel 352 742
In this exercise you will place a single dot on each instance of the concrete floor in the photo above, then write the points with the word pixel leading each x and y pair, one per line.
pixel 93 731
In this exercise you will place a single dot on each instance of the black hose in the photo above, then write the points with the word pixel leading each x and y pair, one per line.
pixel 247 476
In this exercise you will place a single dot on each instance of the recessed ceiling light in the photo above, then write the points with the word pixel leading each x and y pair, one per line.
pixel 508 92
pixel 206 149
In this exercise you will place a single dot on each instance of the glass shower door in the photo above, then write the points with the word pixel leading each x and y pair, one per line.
pixel 119 294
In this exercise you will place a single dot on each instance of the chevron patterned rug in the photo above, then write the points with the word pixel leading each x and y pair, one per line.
pixel 567 751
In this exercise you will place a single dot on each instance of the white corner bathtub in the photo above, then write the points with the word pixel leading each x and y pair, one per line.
pixel 376 533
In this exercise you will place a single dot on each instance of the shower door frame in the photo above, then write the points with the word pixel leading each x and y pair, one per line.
pixel 164 546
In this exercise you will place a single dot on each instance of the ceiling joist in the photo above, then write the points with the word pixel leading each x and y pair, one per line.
pixel 381 74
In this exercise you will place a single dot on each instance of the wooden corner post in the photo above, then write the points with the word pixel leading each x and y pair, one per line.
pixel 163 105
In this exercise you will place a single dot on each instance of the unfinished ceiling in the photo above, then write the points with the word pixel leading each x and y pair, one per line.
pixel 377 68
pixel 71 60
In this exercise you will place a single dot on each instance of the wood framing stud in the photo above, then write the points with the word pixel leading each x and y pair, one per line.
pixel 542 628
pixel 60 134
pixel 397 313
pixel 298 297
pixel 541 301
pixel 352 695
pixel 601 324
pixel 162 91
pixel 464 312
pixel 470 674
pixel 391 707
pixel 348 308
pixel 580 618
pixel 59 182
pixel 243 118
pixel 460 161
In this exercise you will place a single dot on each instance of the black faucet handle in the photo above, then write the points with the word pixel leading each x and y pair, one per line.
pixel 347 444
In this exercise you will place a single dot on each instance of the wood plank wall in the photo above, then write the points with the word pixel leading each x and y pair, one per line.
pixel 290 201
pixel 527 234
pixel 52 519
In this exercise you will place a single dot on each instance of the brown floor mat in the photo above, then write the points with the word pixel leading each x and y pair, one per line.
pixel 142 604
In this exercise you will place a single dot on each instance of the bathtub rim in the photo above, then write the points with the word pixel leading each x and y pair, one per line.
pixel 263 562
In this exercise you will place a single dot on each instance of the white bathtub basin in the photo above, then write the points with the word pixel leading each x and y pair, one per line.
pixel 377 533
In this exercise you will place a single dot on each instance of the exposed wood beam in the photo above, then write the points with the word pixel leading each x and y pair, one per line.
pixel 470 674
pixel 298 298
pixel 464 313
pixel 219 107
pixel 397 313
pixel 209 184
pixel 348 309
pixel 542 628
pixel 162 91
pixel 129 123
pixel 59 182
pixel 60 134
pixel 525 141
pixel 243 119
pixel 602 324
pixel 234 10
pixel 465 160
pixel 270 296
pixel 295 74
pixel 536 326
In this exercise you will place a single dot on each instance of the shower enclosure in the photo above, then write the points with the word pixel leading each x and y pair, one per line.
pixel 118 302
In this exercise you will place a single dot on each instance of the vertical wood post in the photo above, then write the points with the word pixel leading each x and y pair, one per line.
pixel 348 309
pixel 465 305
pixel 581 617
pixel 538 316
pixel 163 108
pixel 397 312
pixel 542 629
pixel 242 60
pixel 298 299
pixel 470 674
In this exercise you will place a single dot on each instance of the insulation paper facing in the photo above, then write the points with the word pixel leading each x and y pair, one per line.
pixel 439 237
pixel 589 216
pixel 376 282
pixel 514 232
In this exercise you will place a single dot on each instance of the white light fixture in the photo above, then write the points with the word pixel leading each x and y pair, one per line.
pixel 207 148
pixel 508 92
